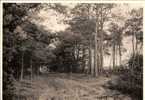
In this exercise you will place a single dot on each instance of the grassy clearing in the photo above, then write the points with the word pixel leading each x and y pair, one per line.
pixel 59 86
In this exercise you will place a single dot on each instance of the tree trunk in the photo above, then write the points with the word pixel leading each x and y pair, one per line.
pixel 90 45
pixel 120 55
pixel 83 60
pixel 31 66
pixel 95 57
pixel 136 45
pixel 90 56
pixel 22 66
pixel 101 42
pixel 113 55
pixel 99 55
pixel 133 48
pixel 38 72
pixel 78 52
pixel 116 55
pixel 92 66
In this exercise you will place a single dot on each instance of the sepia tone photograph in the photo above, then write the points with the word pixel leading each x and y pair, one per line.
pixel 72 51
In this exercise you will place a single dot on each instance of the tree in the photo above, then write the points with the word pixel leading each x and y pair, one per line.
pixel 97 14
pixel 102 11
pixel 134 27
pixel 130 79
pixel 13 15
pixel 116 41
pixel 84 21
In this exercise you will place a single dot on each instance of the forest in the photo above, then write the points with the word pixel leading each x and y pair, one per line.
pixel 81 51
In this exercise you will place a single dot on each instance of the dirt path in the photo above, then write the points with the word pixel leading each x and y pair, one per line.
pixel 68 87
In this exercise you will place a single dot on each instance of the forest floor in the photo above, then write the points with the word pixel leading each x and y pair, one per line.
pixel 60 86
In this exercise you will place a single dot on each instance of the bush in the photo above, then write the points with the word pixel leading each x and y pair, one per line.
pixel 131 80
pixel 8 87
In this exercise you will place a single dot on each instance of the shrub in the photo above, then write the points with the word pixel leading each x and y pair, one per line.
pixel 130 81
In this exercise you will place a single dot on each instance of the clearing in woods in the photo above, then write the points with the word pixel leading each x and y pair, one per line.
pixel 60 86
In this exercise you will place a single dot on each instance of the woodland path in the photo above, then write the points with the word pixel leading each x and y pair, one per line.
pixel 61 86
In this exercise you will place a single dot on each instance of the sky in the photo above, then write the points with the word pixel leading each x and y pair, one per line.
pixel 52 20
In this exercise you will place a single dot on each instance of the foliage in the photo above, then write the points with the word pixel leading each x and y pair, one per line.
pixel 116 34
pixel 13 15
pixel 134 24
pixel 130 80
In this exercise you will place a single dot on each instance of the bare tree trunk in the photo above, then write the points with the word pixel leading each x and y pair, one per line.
pixel 136 45
pixel 22 66
pixel 96 48
pixel 31 69
pixel 133 48
pixel 113 55
pixel 78 52
pixel 75 51
pixel 116 55
pixel 101 42
pixel 102 60
pixel 95 57
pixel 99 56
pixel 90 56
pixel 83 60
pixel 92 66
pixel 38 72
pixel 140 48
pixel 120 55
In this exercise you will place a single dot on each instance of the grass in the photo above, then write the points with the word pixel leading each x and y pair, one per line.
pixel 60 86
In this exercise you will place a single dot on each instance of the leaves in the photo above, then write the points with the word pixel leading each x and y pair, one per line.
pixel 134 25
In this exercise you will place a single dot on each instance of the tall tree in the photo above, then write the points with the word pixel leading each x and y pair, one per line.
pixel 13 15
pixel 83 20
pixel 134 27
pixel 102 11
pixel 116 41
